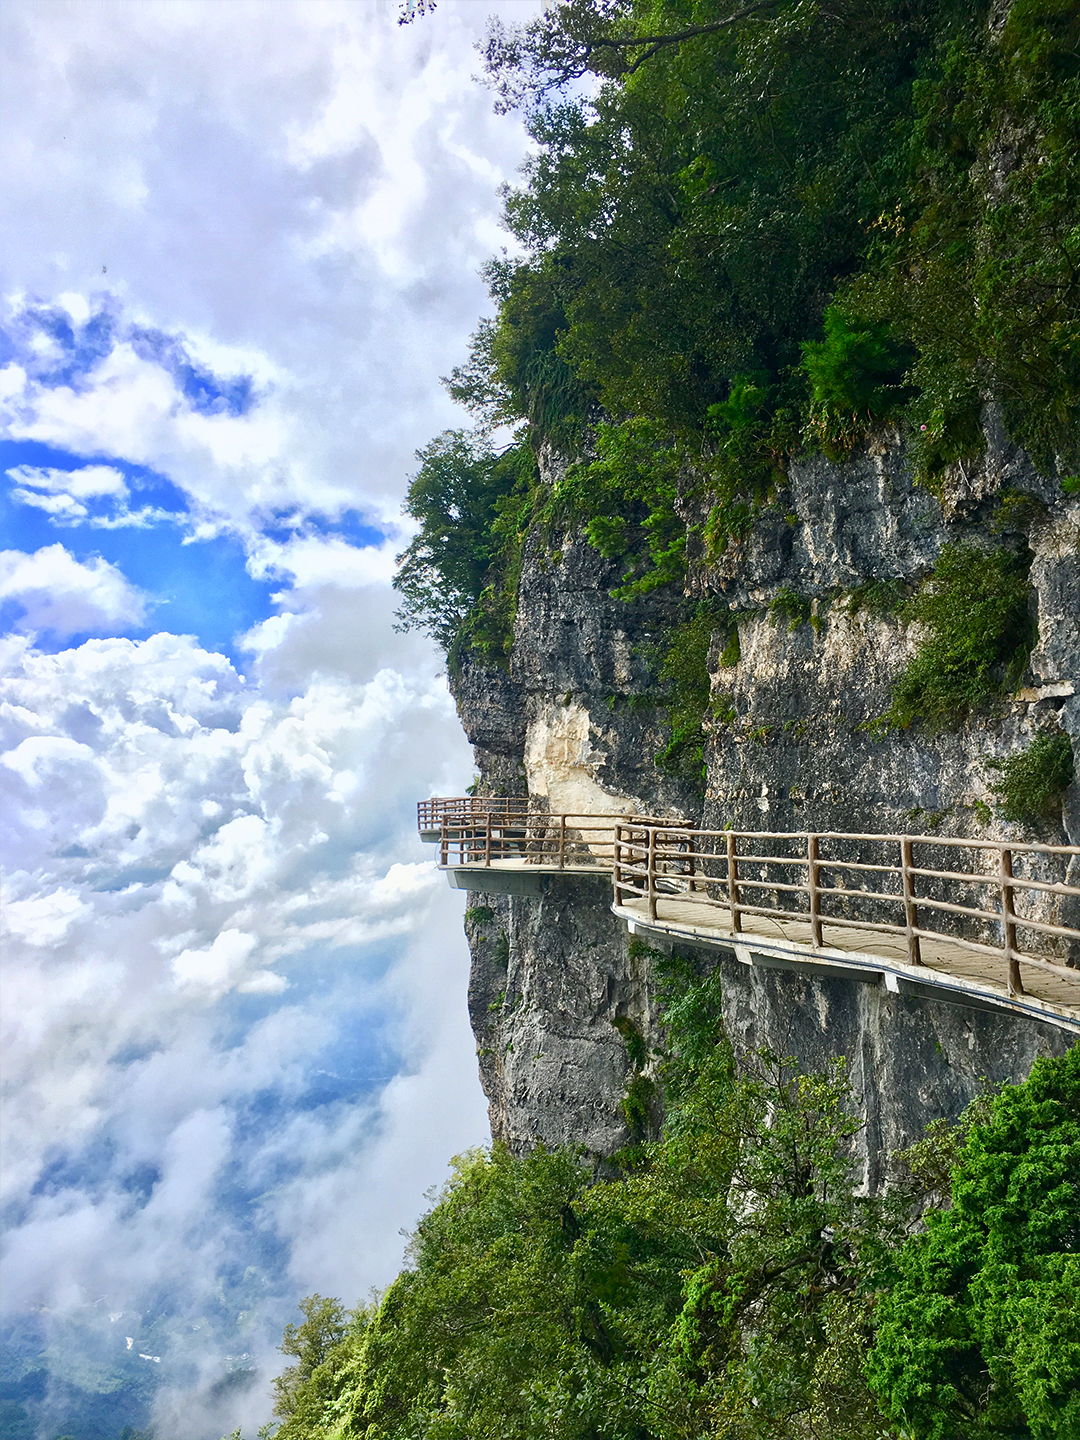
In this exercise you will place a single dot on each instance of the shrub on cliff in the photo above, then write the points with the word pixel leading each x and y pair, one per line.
pixel 977 632
pixel 733 1282
pixel 1033 781
pixel 714 1290
pixel 457 577
pixel 980 1335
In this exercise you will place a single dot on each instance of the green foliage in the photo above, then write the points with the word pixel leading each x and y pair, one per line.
pixel 1071 484
pixel 718 268
pixel 876 597
pixel 684 671
pixel 1033 782
pixel 637 1106
pixel 978 263
pixel 978 633
pixel 731 652
pixel 324 1326
pixel 711 1292
pixel 515 371
pixel 458 576
pixel 980 1335
pixel 1016 511
pixel 789 608
pixel 625 501
pixel 733 1284
pixel 856 377
pixel 636 1049
pixel 479 915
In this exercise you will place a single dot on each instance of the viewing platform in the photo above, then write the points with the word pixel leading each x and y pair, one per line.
pixel 982 923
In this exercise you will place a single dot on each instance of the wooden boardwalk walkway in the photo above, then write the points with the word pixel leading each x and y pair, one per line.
pixel 981 923
pixel 949 972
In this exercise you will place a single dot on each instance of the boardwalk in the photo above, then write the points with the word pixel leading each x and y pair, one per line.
pixel 974 922
pixel 949 972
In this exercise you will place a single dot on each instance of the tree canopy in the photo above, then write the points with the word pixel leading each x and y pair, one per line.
pixel 749 230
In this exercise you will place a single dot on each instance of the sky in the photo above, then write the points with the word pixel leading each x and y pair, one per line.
pixel 240 244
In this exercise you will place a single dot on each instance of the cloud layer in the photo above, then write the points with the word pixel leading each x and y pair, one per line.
pixel 206 913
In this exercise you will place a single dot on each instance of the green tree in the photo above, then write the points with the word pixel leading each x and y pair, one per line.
pixel 324 1326
pixel 456 576
pixel 715 1289
pixel 980 1335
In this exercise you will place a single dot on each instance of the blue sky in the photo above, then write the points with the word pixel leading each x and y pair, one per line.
pixel 194 586
pixel 235 1036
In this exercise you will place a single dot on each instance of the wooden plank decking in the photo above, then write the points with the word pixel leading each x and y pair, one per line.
pixel 969 975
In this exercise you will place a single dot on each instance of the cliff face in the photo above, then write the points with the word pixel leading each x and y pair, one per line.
pixel 553 975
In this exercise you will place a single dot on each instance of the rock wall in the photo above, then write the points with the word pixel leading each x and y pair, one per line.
pixel 553 974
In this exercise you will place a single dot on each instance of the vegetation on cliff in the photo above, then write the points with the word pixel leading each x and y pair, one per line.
pixel 732 1281
pixel 754 231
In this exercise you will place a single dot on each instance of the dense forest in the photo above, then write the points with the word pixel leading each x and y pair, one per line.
pixel 748 232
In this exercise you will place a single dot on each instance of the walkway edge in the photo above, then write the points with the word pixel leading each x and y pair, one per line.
pixel 897 977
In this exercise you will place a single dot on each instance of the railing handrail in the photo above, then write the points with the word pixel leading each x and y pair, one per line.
pixel 654 858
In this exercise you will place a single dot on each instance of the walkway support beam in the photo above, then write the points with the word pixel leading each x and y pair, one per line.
pixel 1008 924
pixel 812 868
pixel 733 883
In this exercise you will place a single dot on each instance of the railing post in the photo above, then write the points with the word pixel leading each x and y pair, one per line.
pixel 487 838
pixel 651 868
pixel 691 850
pixel 1008 924
pixel 815 889
pixel 562 842
pixel 444 844
pixel 733 883
pixel 911 909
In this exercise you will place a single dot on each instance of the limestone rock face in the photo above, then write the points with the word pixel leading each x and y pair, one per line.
pixel 572 725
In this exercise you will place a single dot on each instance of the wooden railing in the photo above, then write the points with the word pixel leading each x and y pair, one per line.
pixel 559 842
pixel 878 883
pixel 430 814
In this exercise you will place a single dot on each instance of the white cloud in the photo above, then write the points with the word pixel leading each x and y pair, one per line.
pixel 44 919
pixel 217 968
pixel 64 507
pixel 84 483
pixel 316 216
pixel 59 593
pixel 203 840
pixel 313 560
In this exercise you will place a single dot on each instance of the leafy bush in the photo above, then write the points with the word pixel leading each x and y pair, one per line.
pixel 977 264
pixel 1033 782
pixel 789 608
pixel 733 1282
pixel 980 1335
pixel 713 269
pixel 856 376
pixel 696 1296
pixel 625 501
pixel 876 597
pixel 975 609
